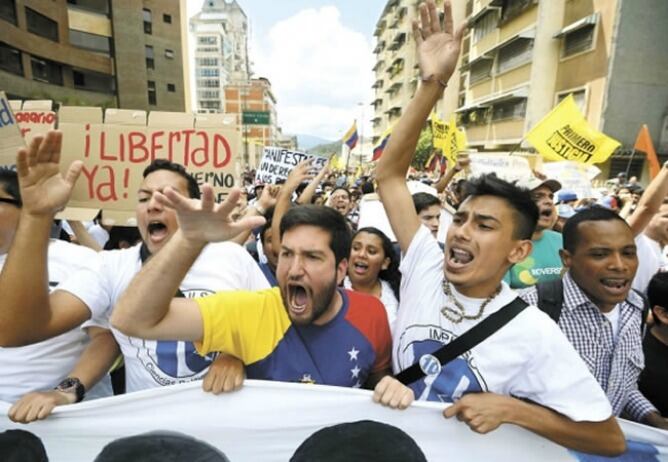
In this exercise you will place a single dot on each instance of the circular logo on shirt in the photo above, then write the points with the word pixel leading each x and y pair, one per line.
pixel 430 365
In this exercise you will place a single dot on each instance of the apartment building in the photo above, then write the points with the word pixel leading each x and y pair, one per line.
pixel 112 53
pixel 220 32
pixel 521 57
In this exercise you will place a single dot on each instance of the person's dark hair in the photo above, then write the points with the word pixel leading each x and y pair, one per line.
pixel 341 188
pixel 9 181
pixel 367 187
pixel 596 213
pixel 525 211
pixel 392 274
pixel 423 200
pixel 364 440
pixel 160 446
pixel 268 216
pixel 323 217
pixel 122 234
pixel 21 446
pixel 164 164
pixel 657 292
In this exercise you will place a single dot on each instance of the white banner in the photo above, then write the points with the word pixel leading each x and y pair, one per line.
pixel 267 421
pixel 510 168
pixel 277 163
pixel 573 176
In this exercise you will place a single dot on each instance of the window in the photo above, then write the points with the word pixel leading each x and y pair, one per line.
pixel 150 63
pixel 486 24
pixel 209 83
pixel 209 104
pixel 514 54
pixel 10 59
pixel 207 40
pixel 91 42
pixel 167 18
pixel 152 97
pixel 96 6
pixel 93 81
pixel 208 72
pixel 79 79
pixel 578 97
pixel 579 40
pixel 514 109
pixel 169 54
pixel 209 94
pixel 41 25
pixel 514 8
pixel 207 61
pixel 46 71
pixel 171 87
pixel 8 11
pixel 148 21
pixel 480 70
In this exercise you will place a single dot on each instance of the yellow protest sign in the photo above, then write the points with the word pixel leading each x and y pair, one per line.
pixel 564 134
pixel 455 141
pixel 439 131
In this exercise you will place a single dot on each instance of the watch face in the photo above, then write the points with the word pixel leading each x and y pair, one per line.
pixel 68 383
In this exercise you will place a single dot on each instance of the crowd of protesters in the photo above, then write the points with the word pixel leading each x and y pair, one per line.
pixel 279 283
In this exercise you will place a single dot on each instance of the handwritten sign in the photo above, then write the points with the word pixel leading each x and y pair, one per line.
pixel 277 163
pixel 10 135
pixel 510 168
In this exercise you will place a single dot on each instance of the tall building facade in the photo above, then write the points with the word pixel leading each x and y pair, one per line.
pixel 220 32
pixel 113 53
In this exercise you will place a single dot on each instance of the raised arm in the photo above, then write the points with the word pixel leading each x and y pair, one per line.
pixel 27 314
pixel 265 202
pixel 484 412
pixel 650 202
pixel 438 51
pixel 463 162
pixel 83 236
pixel 144 312
pixel 309 191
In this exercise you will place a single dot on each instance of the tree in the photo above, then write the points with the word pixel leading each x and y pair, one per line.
pixel 423 149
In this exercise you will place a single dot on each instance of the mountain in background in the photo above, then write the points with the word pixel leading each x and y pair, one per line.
pixel 326 149
pixel 306 142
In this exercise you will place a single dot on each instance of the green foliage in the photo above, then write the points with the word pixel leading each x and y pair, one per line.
pixel 326 149
pixel 423 148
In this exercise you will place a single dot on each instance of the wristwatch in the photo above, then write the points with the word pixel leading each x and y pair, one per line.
pixel 72 385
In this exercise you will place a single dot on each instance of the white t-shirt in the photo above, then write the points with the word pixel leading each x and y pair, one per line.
pixel 528 358
pixel 150 363
pixel 650 260
pixel 386 297
pixel 43 365
pixel 613 317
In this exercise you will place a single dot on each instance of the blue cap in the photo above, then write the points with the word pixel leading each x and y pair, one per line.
pixel 566 196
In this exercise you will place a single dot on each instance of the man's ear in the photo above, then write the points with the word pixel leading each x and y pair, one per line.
pixel 521 250
pixel 566 258
pixel 341 271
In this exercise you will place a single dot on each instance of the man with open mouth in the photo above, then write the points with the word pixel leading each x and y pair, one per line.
pixel 31 314
pixel 306 330
pixel 598 311
pixel 525 373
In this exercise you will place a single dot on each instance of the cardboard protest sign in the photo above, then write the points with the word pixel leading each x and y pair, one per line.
pixel 277 163
pixel 116 151
pixel 35 117
pixel 510 168
pixel 10 135
pixel 573 176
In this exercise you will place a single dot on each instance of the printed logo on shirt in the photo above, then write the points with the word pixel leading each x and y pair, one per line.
pixel 170 362
pixel 441 383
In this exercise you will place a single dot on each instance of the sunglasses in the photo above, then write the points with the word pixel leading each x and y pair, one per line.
pixel 9 200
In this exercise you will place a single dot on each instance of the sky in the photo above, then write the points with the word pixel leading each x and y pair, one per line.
pixel 318 56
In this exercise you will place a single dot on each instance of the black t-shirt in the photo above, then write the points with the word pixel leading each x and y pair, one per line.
pixel 653 381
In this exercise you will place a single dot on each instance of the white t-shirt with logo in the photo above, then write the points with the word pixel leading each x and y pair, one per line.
pixel 151 363
pixel 42 366
pixel 528 358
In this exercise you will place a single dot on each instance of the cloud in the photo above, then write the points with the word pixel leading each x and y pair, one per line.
pixel 319 69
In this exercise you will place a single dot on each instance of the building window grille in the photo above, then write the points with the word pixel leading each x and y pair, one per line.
pixel 46 71
pixel 152 95
pixel 41 25
pixel 148 21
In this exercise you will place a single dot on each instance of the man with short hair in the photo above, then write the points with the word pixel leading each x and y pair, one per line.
pixel 30 314
pixel 597 310
pixel 428 208
pixel 654 378
pixel 526 373
pixel 304 330
pixel 543 264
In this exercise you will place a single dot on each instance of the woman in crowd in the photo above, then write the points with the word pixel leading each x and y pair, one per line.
pixel 373 268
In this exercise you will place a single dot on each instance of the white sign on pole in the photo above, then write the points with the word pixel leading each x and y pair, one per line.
pixel 277 163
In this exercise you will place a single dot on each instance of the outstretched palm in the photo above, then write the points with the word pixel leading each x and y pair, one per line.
pixel 204 220
pixel 44 190
pixel 438 45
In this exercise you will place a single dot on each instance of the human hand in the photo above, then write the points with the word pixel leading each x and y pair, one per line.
pixel 437 46
pixel 298 175
pixel 392 393
pixel 463 162
pixel 44 190
pixel 268 197
pixel 225 374
pixel 656 420
pixel 38 405
pixel 203 221
pixel 482 412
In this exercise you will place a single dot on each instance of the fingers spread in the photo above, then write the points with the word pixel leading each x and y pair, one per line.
pixel 425 23
pixel 33 149
pixel 447 18
pixel 73 172
pixel 434 20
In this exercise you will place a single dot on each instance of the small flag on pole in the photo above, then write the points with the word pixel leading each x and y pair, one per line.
pixel 380 147
pixel 350 138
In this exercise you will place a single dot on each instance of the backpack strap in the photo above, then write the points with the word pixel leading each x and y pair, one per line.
pixel 472 337
pixel 551 298
pixel 645 311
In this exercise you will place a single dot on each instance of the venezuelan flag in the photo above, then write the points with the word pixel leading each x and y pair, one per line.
pixel 380 147
pixel 350 138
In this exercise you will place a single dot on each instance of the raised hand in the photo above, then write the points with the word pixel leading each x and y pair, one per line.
pixel 299 174
pixel 203 221
pixel 437 46
pixel 269 196
pixel 44 190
